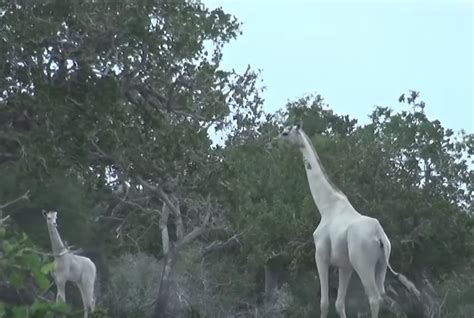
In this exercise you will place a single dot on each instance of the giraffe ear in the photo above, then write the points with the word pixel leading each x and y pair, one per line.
pixel 299 125
pixel 43 212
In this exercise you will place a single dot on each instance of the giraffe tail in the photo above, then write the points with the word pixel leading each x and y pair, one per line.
pixel 401 278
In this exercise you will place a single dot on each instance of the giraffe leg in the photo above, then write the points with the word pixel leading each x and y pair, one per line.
pixel 61 290
pixel 323 272
pixel 84 300
pixel 364 256
pixel 366 271
pixel 344 278
pixel 374 296
pixel 380 272
pixel 88 286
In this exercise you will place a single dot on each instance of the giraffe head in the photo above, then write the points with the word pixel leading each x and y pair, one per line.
pixel 291 135
pixel 50 216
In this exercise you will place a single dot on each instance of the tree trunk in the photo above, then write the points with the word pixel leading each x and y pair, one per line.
pixel 270 282
pixel 162 308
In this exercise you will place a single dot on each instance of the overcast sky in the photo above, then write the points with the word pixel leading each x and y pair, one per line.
pixel 359 54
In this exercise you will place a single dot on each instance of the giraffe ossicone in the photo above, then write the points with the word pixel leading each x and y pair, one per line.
pixel 344 238
pixel 70 267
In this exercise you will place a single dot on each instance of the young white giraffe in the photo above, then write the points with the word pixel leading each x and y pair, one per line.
pixel 70 267
pixel 344 238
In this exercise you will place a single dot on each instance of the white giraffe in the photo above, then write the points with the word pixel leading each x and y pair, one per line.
pixel 344 238
pixel 70 267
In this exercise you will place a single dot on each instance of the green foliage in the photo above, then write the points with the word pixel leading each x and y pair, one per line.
pixel 23 270
pixel 458 291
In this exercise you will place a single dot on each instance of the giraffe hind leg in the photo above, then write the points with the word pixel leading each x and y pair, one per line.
pixel 364 255
pixel 84 299
pixel 380 273
pixel 366 273
pixel 88 288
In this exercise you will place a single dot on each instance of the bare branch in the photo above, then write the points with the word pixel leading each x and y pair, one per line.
pixel 134 204
pixel 194 234
pixel 198 231
pixel 147 228
pixel 7 156
pixel 135 242
pixel 179 223
pixel 165 239
pixel 158 190
pixel 186 114
pixel 10 136
pixel 219 246
pixel 100 153
pixel 4 219
pixel 24 196
pixel 145 91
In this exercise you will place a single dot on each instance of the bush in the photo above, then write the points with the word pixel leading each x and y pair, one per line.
pixel 458 289
pixel 133 285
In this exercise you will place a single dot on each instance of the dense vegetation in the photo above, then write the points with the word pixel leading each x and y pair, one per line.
pixel 106 113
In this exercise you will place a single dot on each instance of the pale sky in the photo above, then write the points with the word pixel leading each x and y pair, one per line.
pixel 359 54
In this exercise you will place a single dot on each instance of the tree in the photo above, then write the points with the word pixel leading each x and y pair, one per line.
pixel 121 94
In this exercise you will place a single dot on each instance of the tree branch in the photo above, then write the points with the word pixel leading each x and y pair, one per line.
pixel 165 239
pixel 101 154
pixel 219 246
pixel 179 222
pixel 158 190
pixel 200 230
pixel 24 196
pixel 4 219
pixel 7 156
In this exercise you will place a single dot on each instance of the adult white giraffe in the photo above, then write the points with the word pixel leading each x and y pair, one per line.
pixel 344 238
pixel 70 267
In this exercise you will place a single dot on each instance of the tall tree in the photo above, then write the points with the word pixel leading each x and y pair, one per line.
pixel 121 95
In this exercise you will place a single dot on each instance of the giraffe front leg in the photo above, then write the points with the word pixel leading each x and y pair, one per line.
pixel 323 272
pixel 344 278
pixel 61 290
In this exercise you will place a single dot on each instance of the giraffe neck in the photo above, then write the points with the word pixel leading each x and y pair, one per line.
pixel 56 243
pixel 325 193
